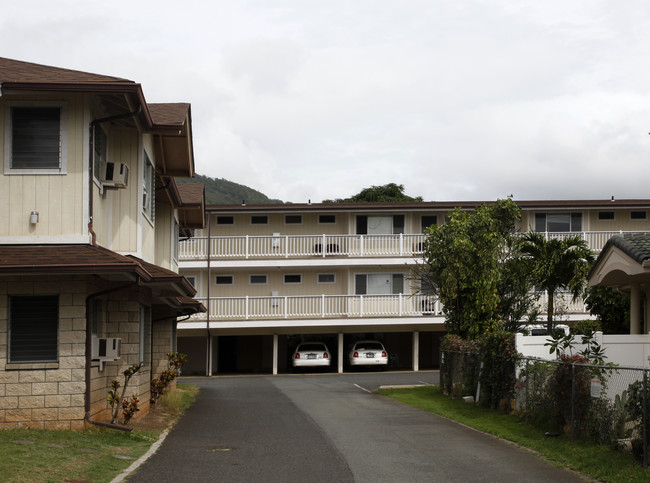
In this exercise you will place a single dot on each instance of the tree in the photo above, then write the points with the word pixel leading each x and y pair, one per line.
pixel 611 307
pixel 557 263
pixel 466 261
pixel 390 192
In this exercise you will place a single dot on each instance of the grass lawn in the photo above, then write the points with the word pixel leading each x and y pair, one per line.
pixel 94 455
pixel 595 461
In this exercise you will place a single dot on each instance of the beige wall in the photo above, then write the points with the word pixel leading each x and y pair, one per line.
pixel 59 199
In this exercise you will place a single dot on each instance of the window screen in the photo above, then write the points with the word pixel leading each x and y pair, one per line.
pixel 34 328
pixel 36 137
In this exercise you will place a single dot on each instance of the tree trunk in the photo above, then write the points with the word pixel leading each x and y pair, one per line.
pixel 549 310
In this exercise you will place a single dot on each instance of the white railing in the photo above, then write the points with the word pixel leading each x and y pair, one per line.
pixel 352 306
pixel 319 306
pixel 297 246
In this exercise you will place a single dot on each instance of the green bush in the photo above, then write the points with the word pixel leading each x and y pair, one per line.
pixel 586 327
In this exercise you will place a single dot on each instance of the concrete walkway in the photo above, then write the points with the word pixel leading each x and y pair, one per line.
pixel 329 428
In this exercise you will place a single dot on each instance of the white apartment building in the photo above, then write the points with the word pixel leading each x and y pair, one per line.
pixel 272 276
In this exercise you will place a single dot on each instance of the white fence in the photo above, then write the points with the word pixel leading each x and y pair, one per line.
pixel 284 246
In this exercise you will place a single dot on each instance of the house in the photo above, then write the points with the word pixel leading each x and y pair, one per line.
pixel 89 281
pixel 624 264
pixel 272 276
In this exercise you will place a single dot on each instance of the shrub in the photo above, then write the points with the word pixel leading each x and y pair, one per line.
pixel 586 327
pixel 499 359
pixel 569 388
pixel 159 385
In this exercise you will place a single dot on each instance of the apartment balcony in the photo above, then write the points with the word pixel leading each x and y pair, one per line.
pixel 351 246
pixel 347 306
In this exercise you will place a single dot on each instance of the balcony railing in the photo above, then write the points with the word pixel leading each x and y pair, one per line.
pixel 340 306
pixel 290 246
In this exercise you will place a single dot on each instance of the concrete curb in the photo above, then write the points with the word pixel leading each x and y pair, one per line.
pixel 136 464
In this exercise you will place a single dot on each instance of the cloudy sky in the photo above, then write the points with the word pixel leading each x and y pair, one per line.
pixel 314 99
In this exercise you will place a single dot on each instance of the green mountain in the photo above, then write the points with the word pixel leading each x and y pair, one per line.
pixel 219 191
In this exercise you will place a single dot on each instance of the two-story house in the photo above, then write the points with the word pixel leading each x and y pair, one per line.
pixel 89 282
pixel 275 275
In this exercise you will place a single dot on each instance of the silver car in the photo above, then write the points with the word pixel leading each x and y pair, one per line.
pixel 368 353
pixel 311 354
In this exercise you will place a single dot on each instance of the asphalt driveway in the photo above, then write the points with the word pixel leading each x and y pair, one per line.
pixel 329 427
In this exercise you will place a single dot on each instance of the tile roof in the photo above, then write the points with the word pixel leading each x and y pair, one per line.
pixel 19 71
pixel 635 245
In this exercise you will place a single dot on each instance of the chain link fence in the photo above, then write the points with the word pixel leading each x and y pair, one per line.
pixel 602 403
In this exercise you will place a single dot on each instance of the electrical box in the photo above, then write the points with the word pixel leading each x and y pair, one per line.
pixel 114 175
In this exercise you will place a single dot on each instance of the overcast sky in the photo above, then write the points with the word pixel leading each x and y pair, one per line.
pixel 306 99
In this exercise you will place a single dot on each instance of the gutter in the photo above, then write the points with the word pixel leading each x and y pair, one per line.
pixel 89 360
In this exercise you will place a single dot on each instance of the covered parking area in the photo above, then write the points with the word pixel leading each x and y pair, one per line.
pixel 268 350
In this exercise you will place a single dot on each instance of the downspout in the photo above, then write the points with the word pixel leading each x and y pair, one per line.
pixel 91 170
pixel 89 358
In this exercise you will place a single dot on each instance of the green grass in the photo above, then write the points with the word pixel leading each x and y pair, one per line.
pixel 83 456
pixel 595 461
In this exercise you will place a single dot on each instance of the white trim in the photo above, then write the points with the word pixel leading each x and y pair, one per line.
pixel 63 126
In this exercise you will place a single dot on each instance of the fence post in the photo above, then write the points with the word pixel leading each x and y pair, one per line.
pixel 645 418
pixel 527 376
pixel 573 395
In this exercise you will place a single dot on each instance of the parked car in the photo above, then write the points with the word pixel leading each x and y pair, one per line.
pixel 368 353
pixel 311 354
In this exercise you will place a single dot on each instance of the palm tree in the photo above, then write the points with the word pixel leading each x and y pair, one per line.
pixel 556 263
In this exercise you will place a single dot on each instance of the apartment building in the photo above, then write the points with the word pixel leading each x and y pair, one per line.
pixel 272 276
pixel 89 281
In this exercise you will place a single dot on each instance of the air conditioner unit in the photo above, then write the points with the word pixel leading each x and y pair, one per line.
pixel 106 348
pixel 115 175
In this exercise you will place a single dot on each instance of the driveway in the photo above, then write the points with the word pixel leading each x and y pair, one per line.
pixel 329 427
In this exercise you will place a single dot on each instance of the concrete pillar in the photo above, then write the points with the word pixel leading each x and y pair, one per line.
pixel 416 350
pixel 340 358
pixel 208 355
pixel 635 309
pixel 275 354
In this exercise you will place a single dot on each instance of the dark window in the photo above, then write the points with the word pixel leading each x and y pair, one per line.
pixel 558 222
pixel 326 219
pixel 398 224
pixel 225 279
pixel 191 279
pixel 293 278
pixel 99 156
pixel 362 225
pixel 638 215
pixel 36 138
pixel 606 215
pixel 326 278
pixel 428 220
pixel 225 220
pixel 34 328
pixel 257 279
pixel 360 284
pixel 293 219
pixel 259 220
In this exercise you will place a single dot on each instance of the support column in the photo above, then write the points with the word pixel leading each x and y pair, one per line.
pixel 340 351
pixel 635 309
pixel 214 361
pixel 208 355
pixel 646 324
pixel 275 354
pixel 416 350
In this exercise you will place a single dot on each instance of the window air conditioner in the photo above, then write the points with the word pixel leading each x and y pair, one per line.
pixel 115 175
pixel 106 349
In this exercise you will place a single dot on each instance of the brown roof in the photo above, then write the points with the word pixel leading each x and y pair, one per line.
pixel 19 71
pixel 96 260
pixel 423 206
pixel 172 115
pixel 191 193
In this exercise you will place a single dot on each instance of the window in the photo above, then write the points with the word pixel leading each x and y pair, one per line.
pixel 293 278
pixel 225 220
pixel 36 140
pixel 292 219
pixel 192 280
pixel 379 283
pixel 259 220
pixel 638 215
pixel 144 352
pixel 96 317
pixel 606 215
pixel 558 222
pixel 326 219
pixel 427 220
pixel 225 279
pixel 257 280
pixel 380 225
pixel 33 328
pixel 99 148
pixel 148 186
pixel 326 278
